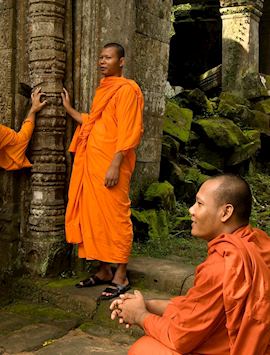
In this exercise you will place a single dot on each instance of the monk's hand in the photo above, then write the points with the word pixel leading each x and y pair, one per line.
pixel 132 310
pixel 66 100
pixel 112 175
pixel 37 104
pixel 114 307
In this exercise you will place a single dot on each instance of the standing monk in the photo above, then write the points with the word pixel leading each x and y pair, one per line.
pixel 98 210
pixel 12 144
pixel 227 311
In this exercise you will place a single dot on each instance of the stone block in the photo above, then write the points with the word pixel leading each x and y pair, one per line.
pixel 177 121
pixel 222 132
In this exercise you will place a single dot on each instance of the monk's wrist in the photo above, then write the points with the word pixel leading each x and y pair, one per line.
pixel 140 317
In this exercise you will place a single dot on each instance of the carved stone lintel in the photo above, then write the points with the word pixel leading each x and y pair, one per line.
pixel 249 4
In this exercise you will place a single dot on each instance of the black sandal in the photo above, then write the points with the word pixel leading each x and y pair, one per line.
pixel 114 291
pixel 93 280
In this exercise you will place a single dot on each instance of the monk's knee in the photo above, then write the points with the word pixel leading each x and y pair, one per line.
pixel 149 346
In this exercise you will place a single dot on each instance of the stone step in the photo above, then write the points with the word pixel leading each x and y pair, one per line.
pixel 51 316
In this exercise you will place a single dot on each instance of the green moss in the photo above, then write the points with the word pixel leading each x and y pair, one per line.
pixel 38 311
pixel 62 283
pixel 161 195
pixel 195 175
pixel 223 132
pixel 263 106
pixel 156 222
pixel 233 98
pixel 177 121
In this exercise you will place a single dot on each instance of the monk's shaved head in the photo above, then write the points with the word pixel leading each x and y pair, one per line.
pixel 119 49
pixel 234 190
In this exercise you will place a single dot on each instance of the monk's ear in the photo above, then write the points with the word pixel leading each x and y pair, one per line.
pixel 122 62
pixel 227 212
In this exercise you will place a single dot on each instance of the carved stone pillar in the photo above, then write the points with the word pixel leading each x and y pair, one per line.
pixel 44 245
pixel 151 42
pixel 9 216
pixel 240 40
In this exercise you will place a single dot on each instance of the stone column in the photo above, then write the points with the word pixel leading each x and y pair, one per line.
pixel 240 40
pixel 151 42
pixel 9 214
pixel 44 245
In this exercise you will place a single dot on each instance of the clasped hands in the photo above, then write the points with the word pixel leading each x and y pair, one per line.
pixel 130 309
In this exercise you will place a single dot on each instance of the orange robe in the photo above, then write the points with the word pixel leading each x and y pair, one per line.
pixel 13 146
pixel 227 311
pixel 97 217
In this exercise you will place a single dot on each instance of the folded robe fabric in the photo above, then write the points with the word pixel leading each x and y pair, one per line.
pixel 13 146
pixel 97 217
pixel 227 311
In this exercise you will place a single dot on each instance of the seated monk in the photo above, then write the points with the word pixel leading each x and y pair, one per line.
pixel 227 311
pixel 12 144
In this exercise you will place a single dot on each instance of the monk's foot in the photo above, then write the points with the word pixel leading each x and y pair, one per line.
pixel 93 280
pixel 114 290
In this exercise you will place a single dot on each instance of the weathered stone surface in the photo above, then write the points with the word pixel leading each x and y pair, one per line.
pixel 224 133
pixel 150 224
pixel 240 41
pixel 247 150
pixel 30 337
pixel 263 106
pixel 170 147
pixel 253 86
pixel 177 121
pixel 161 195
pixel 198 101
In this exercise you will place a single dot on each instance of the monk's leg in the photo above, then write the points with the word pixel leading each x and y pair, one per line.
pixel 105 271
pixel 150 346
pixel 120 276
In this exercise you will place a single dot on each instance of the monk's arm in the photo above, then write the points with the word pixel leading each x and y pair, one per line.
pixel 27 128
pixel 112 174
pixel 69 109
pixel 156 306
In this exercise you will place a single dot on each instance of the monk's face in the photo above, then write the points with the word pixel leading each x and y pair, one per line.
pixel 206 213
pixel 109 62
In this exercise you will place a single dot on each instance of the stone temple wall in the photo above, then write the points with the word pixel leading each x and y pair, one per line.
pixel 52 43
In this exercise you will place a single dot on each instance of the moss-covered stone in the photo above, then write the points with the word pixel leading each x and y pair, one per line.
pixel 154 222
pixel 170 147
pixel 194 175
pixel 253 86
pixel 39 311
pixel 211 156
pixel 261 121
pixel 177 121
pixel 232 98
pixel 199 102
pixel 240 114
pixel 222 132
pixel 246 151
pixel 203 165
pixel 263 106
pixel 160 195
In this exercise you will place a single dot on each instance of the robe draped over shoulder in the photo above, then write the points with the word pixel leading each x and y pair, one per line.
pixel 227 311
pixel 97 217
pixel 13 146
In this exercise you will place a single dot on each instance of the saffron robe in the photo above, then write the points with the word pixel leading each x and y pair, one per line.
pixel 13 146
pixel 97 217
pixel 227 311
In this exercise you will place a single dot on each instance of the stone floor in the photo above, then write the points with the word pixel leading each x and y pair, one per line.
pixel 51 316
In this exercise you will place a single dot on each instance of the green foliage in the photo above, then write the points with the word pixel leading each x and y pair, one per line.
pixel 260 186
pixel 177 241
